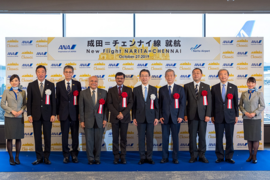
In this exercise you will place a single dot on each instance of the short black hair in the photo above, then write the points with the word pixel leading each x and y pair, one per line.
pixel 251 79
pixel 13 77
pixel 41 66
pixel 145 70
pixel 68 67
pixel 223 70
pixel 197 69
pixel 120 74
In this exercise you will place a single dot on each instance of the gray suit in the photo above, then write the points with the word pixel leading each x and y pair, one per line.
pixel 253 105
pixel 93 121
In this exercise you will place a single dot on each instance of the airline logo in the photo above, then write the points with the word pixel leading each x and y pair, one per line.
pixel 199 65
pixel 142 65
pixel 185 77
pixel 157 145
pixel 256 65
pixel 170 65
pixel 242 145
pixel 67 48
pixel 27 42
pixel 56 65
pixel 227 65
pixel 242 54
pixel 242 76
pixel 227 42
pixel 197 48
pixel 213 77
pixel 56 134
pixel 212 145
pixel 100 77
pixel 27 66
pixel 184 145
pixel 129 76
pixel 29 134
pixel 113 65
pixel 41 54
pixel 256 42
pixel 246 30
pixel 12 54
pixel 85 65
pixel 156 77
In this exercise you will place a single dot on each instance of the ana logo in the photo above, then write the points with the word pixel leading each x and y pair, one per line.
pixel 130 145
pixel 212 144
pixel 41 54
pixel 157 145
pixel 29 134
pixel 56 65
pixel 56 133
pixel 142 65
pixel 26 66
pixel 156 77
pixel 198 49
pixel 103 145
pixel 27 43
pixel 227 65
pixel 242 144
pixel 213 77
pixel 188 76
pixel 240 122
pixel 260 87
pixel 100 77
pixel 256 65
pixel 227 42
pixel 242 76
pixel 129 76
pixel 195 47
pixel 67 48
pixel 12 54
pixel 242 54
pixel 201 65
pixel 184 144
pixel 256 42
pixel 170 65
pixel 84 65
pixel 113 65
pixel 74 76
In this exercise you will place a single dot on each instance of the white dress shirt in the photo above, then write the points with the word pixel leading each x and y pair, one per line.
pixel 143 89
pixel 198 85
pixel 91 91
pixel 43 83
pixel 70 84
pixel 221 86
pixel 171 87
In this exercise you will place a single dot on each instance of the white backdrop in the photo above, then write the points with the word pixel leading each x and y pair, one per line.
pixel 104 57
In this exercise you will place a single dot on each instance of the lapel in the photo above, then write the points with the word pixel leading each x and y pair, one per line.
pixel 11 93
pixel 201 88
pixel 219 92
pixel 46 86
pixel 175 88
pixel 193 90
pixel 89 96
pixel 64 86
pixel 149 93
pixel 140 92
pixel 98 97
pixel 116 92
pixel 229 90
pixel 252 95
pixel 167 91
pixel 36 85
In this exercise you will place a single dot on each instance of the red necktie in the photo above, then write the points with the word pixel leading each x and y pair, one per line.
pixel 119 91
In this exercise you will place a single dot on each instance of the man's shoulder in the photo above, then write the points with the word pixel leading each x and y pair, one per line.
pixel 102 90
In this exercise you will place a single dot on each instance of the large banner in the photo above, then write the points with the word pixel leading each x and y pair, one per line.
pixel 104 57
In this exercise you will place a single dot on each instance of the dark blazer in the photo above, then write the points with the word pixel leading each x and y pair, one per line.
pixel 219 108
pixel 36 106
pixel 166 103
pixel 196 104
pixel 114 104
pixel 64 101
pixel 89 111
pixel 141 109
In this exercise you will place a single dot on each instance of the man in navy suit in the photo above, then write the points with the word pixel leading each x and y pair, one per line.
pixel 67 96
pixel 224 115
pixel 172 103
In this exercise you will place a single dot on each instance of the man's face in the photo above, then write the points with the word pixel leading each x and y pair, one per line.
pixel 223 76
pixel 41 73
pixel 120 80
pixel 93 82
pixel 197 75
pixel 68 73
pixel 170 77
pixel 144 77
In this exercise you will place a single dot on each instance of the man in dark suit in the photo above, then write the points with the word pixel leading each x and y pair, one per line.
pixel 197 113
pixel 67 109
pixel 41 110
pixel 224 115
pixel 120 115
pixel 172 103
pixel 145 115
pixel 92 108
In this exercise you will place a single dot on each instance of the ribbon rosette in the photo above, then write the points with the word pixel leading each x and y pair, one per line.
pixel 100 107
pixel 152 97
pixel 48 92
pixel 75 94
pixel 230 97
pixel 124 99
pixel 204 95
pixel 176 96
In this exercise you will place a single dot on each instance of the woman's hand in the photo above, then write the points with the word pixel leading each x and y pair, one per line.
pixel 14 113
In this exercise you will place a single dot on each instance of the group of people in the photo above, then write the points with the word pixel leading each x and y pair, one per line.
pixel 194 103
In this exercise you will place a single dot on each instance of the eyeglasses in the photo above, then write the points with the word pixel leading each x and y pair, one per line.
pixel 119 78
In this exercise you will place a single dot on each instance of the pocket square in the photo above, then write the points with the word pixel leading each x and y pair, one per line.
pixel 230 87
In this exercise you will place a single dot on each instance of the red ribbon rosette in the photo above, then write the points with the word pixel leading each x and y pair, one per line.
pixel 204 95
pixel 230 97
pixel 100 107
pixel 75 94
pixel 124 99
pixel 176 96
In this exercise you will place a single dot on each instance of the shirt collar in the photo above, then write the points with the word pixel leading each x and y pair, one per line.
pixel 197 83
pixel 170 85
pixel 226 84
pixel 145 86
pixel 68 81
pixel 93 89
pixel 11 89
pixel 120 86
pixel 41 82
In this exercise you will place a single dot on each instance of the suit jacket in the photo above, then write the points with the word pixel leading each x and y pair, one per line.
pixel 13 104
pixel 253 105
pixel 219 108
pixel 88 111
pixel 196 104
pixel 65 100
pixel 114 104
pixel 167 103
pixel 36 106
pixel 141 110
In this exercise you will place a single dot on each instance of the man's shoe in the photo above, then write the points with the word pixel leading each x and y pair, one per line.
pixel 219 160
pixel 66 160
pixel 230 161
pixel 98 162
pixel 38 161
pixel 141 161
pixel 91 162
pixel 164 161
pixel 150 161
pixel 47 161
pixel 175 161
pixel 75 159
pixel 192 160
pixel 203 159
pixel 116 160
pixel 123 161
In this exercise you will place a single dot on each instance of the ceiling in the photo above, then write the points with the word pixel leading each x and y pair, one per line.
pixel 138 6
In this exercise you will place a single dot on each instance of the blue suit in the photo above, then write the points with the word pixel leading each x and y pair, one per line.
pixel 170 115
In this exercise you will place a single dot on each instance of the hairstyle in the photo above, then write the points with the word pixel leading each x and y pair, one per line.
pixel 41 66
pixel 169 70
pixel 251 79
pixel 197 69
pixel 120 74
pixel 223 70
pixel 68 67
pixel 144 70
pixel 13 77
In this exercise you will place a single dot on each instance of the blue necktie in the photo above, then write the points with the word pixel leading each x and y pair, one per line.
pixel 145 93
pixel 223 92
pixel 250 92
pixel 68 87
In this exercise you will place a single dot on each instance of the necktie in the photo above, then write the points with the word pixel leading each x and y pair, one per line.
pixel 94 97
pixel 223 92
pixel 196 91
pixel 119 91
pixel 41 89
pixel 68 87
pixel 250 92
pixel 145 93
pixel 170 91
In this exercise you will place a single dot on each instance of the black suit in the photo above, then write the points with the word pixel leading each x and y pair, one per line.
pixel 41 114
pixel 145 117
pixel 170 115
pixel 114 104
pixel 196 112
pixel 68 114
pixel 224 118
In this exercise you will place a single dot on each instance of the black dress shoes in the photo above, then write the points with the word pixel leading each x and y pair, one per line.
pixel 141 161
pixel 91 162
pixel 150 161
pixel 175 161
pixel 230 161
pixel 47 161
pixel 123 161
pixel 66 160
pixel 38 161
pixel 11 161
pixel 75 159
pixel 219 160
pixel 98 162
pixel 203 159
pixel 17 161
pixel 192 160
pixel 116 160
pixel 164 161
pixel 254 161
